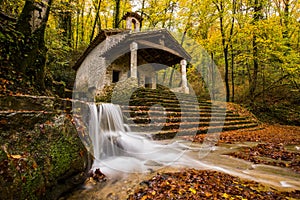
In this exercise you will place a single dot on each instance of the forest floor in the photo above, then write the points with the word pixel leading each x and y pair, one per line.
pixel 257 164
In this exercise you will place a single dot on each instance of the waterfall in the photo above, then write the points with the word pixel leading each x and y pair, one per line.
pixel 118 151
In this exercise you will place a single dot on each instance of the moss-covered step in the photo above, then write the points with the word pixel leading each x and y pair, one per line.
pixel 143 119
pixel 184 125
pixel 169 134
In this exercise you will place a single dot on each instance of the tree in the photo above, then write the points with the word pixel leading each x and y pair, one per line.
pixel 31 57
pixel 117 14
pixel 256 17
pixel 221 8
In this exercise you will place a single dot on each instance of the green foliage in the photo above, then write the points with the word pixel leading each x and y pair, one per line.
pixel 12 7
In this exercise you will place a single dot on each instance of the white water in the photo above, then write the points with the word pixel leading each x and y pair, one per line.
pixel 118 151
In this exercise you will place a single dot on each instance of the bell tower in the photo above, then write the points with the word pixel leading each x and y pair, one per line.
pixel 133 21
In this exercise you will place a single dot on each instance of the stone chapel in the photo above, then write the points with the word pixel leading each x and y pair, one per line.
pixel 116 55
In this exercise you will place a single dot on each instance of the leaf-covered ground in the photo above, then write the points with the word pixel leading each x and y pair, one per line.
pixel 199 184
pixel 270 154
pixel 276 134
pixel 14 83
pixel 274 145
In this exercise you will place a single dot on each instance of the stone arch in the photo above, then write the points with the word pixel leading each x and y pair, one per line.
pixel 133 21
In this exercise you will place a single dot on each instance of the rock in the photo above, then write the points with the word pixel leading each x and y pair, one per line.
pixel 41 154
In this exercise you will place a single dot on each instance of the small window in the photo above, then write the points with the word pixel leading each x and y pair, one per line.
pixel 116 76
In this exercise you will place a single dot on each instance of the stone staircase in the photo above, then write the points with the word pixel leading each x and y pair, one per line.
pixel 164 114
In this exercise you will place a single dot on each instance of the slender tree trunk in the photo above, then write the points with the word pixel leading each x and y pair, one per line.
pixel 66 25
pixel 212 76
pixel 32 24
pixel 286 20
pixel 231 48
pixel 142 13
pixel 232 73
pixel 256 18
pixel 117 13
pixel 220 8
pixel 171 15
pixel 95 21
pixel 82 22
pixel 171 77
pixel 77 28
pixel 225 52
pixel 255 66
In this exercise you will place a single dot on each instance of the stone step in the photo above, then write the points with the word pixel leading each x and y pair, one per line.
pixel 169 107
pixel 130 114
pixel 183 125
pixel 168 97
pixel 37 103
pixel 157 109
pixel 165 94
pixel 20 119
pixel 162 100
pixel 169 134
pixel 141 120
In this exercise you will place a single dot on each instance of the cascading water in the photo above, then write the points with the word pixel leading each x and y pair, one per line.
pixel 118 151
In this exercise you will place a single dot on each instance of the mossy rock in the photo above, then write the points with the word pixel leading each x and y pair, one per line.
pixel 43 160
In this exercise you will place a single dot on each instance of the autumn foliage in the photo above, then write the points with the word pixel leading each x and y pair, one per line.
pixel 198 184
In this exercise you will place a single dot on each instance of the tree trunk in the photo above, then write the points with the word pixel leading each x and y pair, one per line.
pixel 66 25
pixel 232 74
pixel 142 13
pixel 225 52
pixel 117 13
pixel 212 76
pixel 77 28
pixel 171 78
pixel 286 20
pixel 231 48
pixel 256 18
pixel 32 24
pixel 82 22
pixel 95 21
pixel 220 9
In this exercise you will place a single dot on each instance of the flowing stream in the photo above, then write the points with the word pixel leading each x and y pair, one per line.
pixel 127 158
pixel 118 151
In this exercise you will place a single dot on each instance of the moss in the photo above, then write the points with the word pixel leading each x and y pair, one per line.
pixel 3 155
pixel 62 156
pixel 47 156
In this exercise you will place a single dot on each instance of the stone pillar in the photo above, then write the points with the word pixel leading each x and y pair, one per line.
pixel 133 59
pixel 184 85
pixel 153 80
pixel 142 80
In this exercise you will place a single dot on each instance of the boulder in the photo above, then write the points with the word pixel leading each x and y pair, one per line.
pixel 41 154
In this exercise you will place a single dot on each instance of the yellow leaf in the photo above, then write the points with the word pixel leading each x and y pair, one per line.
pixel 153 193
pixel 34 165
pixel 207 194
pixel 144 197
pixel 225 195
pixel 16 156
pixel 192 190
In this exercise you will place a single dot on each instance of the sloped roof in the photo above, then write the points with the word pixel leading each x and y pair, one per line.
pixel 102 35
pixel 155 46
